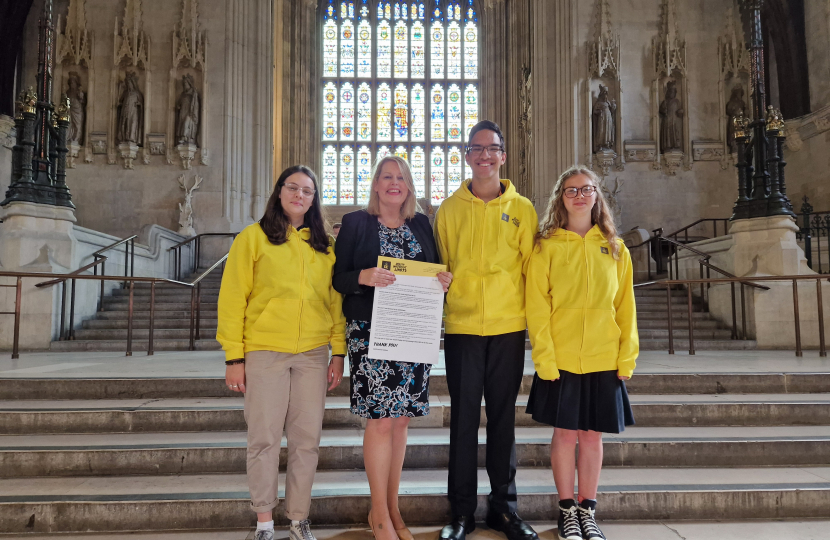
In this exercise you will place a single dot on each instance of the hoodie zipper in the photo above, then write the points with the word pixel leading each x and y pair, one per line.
pixel 480 270
pixel 302 291
pixel 584 304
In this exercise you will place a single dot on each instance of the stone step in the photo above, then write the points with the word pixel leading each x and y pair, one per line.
pixel 122 304
pixel 27 389
pixel 427 448
pixel 141 338
pixel 120 334
pixel 681 331
pixel 139 345
pixel 225 414
pixel 148 503
pixel 182 295
pixel 144 314
pixel 109 324
pixel 618 530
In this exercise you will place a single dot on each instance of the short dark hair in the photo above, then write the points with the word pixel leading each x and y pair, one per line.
pixel 488 125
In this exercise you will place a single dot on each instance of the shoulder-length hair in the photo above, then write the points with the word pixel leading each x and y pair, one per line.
pixel 556 216
pixel 410 204
pixel 275 223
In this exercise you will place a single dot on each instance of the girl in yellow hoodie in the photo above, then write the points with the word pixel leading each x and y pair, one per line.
pixel 278 316
pixel 582 323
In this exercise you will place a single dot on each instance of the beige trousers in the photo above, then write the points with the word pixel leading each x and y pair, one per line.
pixel 284 391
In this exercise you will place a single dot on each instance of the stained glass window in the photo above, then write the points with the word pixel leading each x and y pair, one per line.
pixel 402 72
pixel 364 113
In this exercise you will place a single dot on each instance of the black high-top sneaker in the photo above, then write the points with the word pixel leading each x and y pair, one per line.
pixel 568 522
pixel 590 531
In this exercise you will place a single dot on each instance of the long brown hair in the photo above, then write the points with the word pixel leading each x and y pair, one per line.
pixel 556 216
pixel 275 223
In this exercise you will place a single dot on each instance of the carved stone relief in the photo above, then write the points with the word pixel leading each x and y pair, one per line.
pixel 612 197
pixel 526 125
pixel 130 89
pixel 733 81
pixel 75 76
pixel 186 207
pixel 187 123
pixel 670 94
pixel 605 118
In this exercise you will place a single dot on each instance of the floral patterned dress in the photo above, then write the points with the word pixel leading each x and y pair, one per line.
pixel 382 389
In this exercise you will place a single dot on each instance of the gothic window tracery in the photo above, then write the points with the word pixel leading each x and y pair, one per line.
pixel 399 77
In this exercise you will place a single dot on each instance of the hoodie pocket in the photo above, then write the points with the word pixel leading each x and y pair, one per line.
pixel 278 322
pixel 462 301
pixel 316 320
pixel 602 338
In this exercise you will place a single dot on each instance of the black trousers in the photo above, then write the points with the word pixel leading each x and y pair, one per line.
pixel 492 367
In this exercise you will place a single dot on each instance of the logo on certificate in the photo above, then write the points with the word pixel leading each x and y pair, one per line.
pixel 386 265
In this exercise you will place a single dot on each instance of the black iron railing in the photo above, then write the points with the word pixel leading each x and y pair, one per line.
pixel 197 251
pixel 814 231
pixel 687 284
pixel 99 260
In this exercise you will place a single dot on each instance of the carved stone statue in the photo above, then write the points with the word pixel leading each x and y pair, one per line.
pixel 612 198
pixel 671 120
pixel 604 131
pixel 186 209
pixel 734 108
pixel 130 128
pixel 187 112
pixel 77 110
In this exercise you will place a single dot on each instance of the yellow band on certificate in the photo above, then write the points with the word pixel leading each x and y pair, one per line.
pixel 410 268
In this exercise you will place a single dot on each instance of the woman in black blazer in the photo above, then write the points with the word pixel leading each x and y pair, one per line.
pixel 386 393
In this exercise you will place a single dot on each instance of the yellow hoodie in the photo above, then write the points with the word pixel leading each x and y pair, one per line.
pixel 581 315
pixel 278 298
pixel 487 248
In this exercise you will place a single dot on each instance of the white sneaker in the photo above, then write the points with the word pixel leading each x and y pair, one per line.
pixel 301 531
pixel 264 534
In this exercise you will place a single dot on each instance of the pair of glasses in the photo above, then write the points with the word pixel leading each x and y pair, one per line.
pixel 294 188
pixel 587 191
pixel 477 150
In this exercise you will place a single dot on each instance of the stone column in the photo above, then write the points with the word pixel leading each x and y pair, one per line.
pixel 555 93
pixel 248 50
pixel 300 91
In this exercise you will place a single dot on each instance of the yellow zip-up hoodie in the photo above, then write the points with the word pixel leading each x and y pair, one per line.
pixel 581 314
pixel 278 298
pixel 487 248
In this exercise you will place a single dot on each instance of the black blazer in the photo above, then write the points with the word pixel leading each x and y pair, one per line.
pixel 358 247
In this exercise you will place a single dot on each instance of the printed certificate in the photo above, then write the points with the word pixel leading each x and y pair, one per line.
pixel 406 316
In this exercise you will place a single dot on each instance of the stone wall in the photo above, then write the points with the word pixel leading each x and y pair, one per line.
pixel 235 127
pixel 6 144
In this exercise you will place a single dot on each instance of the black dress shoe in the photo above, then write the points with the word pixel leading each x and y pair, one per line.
pixel 511 525
pixel 458 528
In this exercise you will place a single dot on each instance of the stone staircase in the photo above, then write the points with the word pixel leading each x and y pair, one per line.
pixel 108 331
pixel 156 453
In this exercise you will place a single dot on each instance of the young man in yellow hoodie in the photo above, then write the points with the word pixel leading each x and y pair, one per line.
pixel 485 233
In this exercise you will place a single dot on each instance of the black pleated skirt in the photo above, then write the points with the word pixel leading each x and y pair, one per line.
pixel 589 402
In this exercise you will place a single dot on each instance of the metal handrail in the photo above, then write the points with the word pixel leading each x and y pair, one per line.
pixel 197 250
pixel 99 259
pixel 685 229
pixel 688 283
pixel 131 279
pixel 196 302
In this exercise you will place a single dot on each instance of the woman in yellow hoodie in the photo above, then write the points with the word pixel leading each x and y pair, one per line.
pixel 278 316
pixel 582 322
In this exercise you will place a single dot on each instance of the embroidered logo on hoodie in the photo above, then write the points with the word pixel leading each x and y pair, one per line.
pixel 604 250
pixel 516 222
pixel 505 217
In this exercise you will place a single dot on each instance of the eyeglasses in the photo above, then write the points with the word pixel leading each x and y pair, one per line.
pixel 587 191
pixel 477 150
pixel 294 188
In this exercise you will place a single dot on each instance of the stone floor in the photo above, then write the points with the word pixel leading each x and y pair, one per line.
pixel 677 530
pixel 745 428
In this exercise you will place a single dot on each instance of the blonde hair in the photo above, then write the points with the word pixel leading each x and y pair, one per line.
pixel 556 216
pixel 410 204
